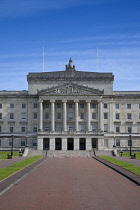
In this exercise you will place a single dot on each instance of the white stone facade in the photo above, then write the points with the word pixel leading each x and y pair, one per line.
pixel 70 110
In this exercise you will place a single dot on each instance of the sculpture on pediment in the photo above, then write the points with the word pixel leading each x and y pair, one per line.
pixel 70 65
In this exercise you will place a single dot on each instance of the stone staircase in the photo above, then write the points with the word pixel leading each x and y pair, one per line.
pixel 34 152
pixel 67 153
pixel 103 153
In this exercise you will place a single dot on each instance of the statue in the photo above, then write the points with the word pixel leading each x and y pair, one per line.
pixel 70 63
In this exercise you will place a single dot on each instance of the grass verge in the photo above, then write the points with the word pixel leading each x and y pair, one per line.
pixel 135 169
pixel 3 154
pixel 115 161
pixel 27 161
pixel 127 154
pixel 5 172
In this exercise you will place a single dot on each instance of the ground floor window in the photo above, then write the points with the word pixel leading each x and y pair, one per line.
pixel 10 143
pixel 0 142
pixel 22 143
pixel 129 143
pixel 70 144
pixel 34 143
pixel 117 142
pixel 46 144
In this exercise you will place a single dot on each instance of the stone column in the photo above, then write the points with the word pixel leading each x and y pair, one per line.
pixel 76 143
pixel 64 143
pixel 100 116
pixel 39 143
pixel 76 115
pixel 88 116
pixel 52 143
pixel 64 116
pixel 40 115
pixel 88 144
pixel 52 116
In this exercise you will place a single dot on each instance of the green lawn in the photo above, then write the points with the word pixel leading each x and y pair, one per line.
pixel 127 154
pixel 115 161
pixel 3 154
pixel 135 169
pixel 27 161
pixel 5 172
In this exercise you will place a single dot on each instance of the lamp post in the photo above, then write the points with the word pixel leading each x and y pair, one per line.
pixel 26 141
pixel 130 143
pixel 12 145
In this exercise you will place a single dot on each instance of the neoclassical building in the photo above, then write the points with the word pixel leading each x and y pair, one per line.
pixel 70 110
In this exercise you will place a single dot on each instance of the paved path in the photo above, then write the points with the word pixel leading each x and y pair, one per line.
pixel 129 160
pixel 72 184
pixel 7 162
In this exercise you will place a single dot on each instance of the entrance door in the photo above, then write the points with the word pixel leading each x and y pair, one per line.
pixel 58 144
pixel 94 143
pixel 46 144
pixel 70 144
pixel 82 144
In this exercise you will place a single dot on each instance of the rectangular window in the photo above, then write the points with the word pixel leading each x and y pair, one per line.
pixel 93 106
pixel 117 106
pixel 47 106
pixel 58 127
pixel 0 115
pixel 106 143
pixel 129 116
pixel 117 142
pixel 23 128
pixel 11 106
pixel 11 129
pixel 34 143
pixel 35 128
pixel 0 142
pixel 94 127
pixel 35 105
pixel 0 106
pixel 58 105
pixel 47 116
pixel 70 116
pixel 0 128
pixel 22 143
pixel 10 143
pixel 70 106
pixel 105 116
pixel 82 127
pixel 117 116
pixel 139 106
pixel 129 129
pixel 82 106
pixel 70 127
pixel 58 116
pixel 93 116
pixel 139 115
pixel 138 128
pixel 105 106
pixel 128 106
pixel 23 106
pixel 23 116
pixel 11 116
pixel 82 116
pixel 47 128
pixel 35 115
pixel 105 127
pixel 117 128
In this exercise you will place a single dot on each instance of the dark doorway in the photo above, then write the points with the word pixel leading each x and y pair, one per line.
pixel 82 144
pixel 58 144
pixel 70 144
pixel 94 143
pixel 46 144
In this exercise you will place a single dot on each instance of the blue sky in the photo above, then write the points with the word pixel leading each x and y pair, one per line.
pixel 70 28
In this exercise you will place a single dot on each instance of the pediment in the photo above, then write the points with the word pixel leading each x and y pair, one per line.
pixel 70 89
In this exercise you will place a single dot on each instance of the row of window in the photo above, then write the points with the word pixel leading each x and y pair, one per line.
pixel 22 143
pixel 117 128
